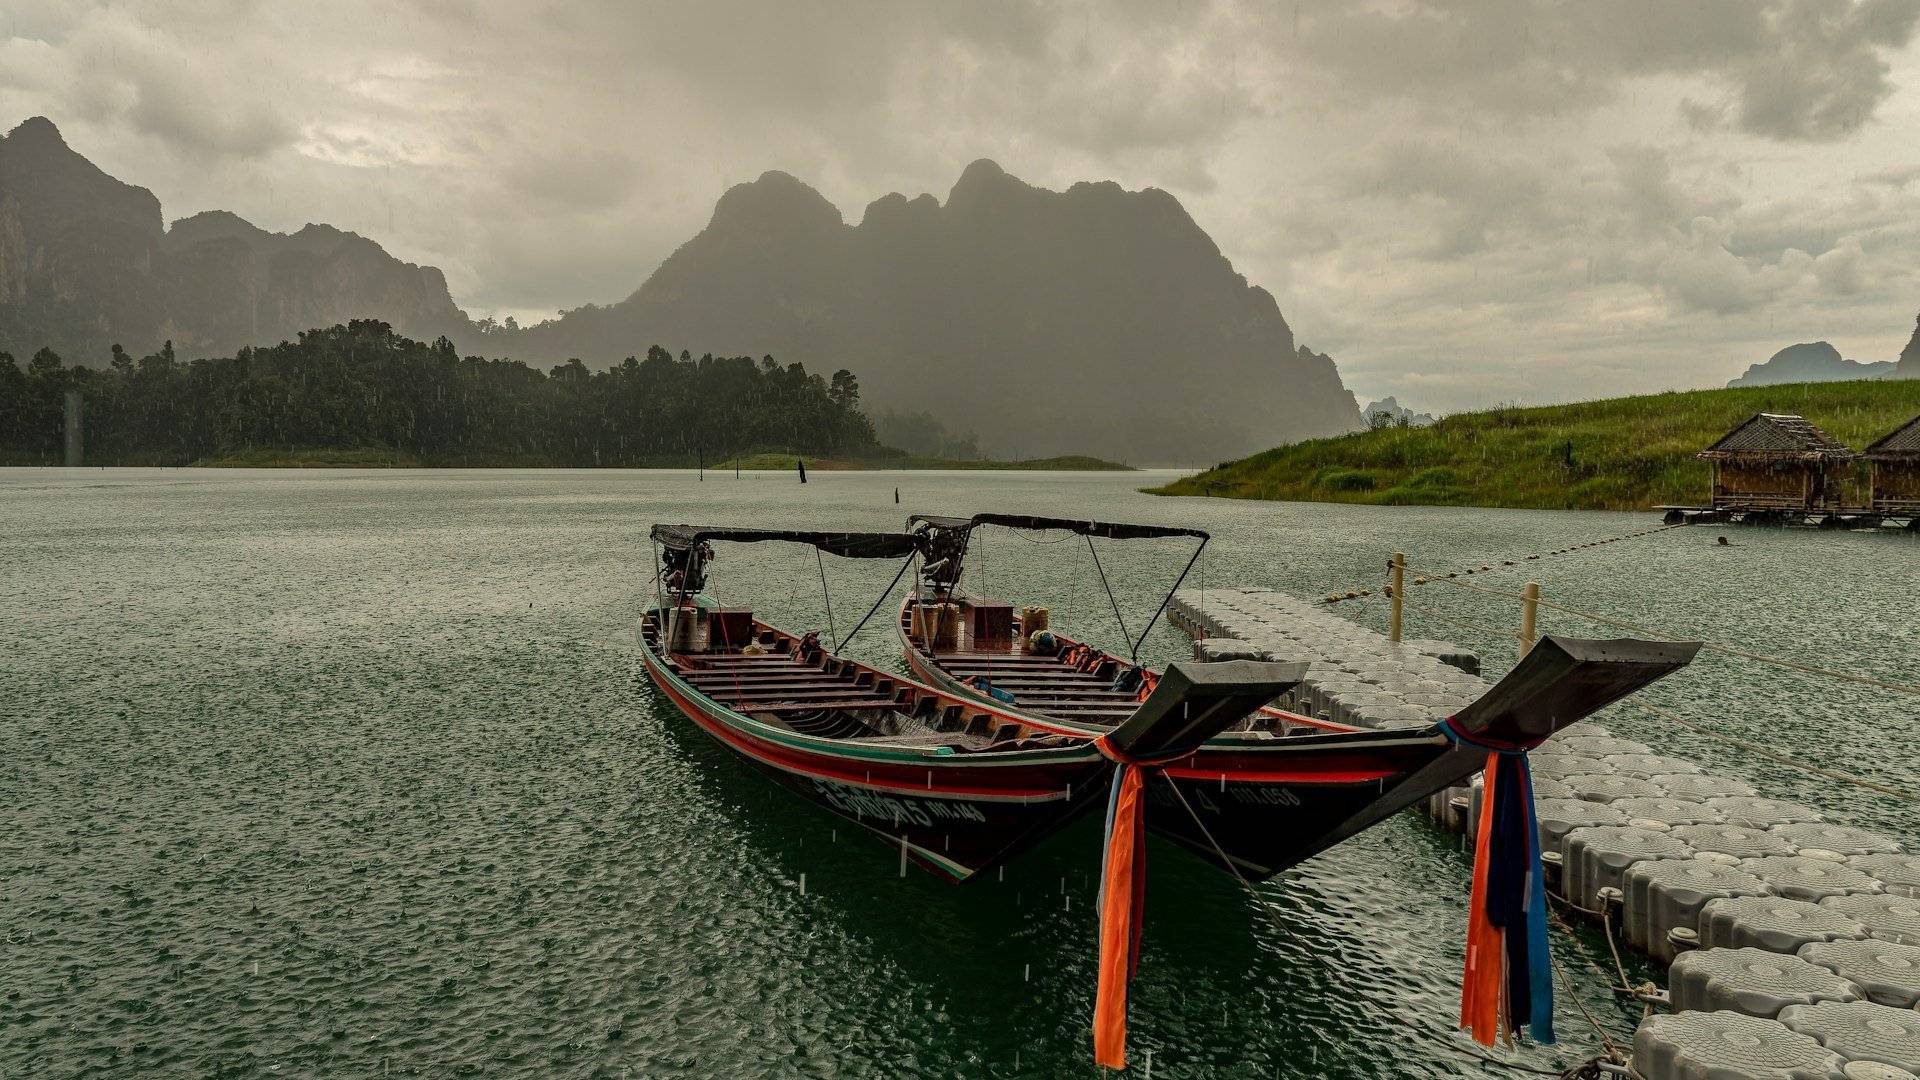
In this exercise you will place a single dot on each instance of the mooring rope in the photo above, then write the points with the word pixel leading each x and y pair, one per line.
pixel 1485 568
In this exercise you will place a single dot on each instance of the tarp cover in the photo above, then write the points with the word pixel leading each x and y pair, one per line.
pixel 1110 530
pixel 850 545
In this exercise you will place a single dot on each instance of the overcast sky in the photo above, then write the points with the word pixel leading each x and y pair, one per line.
pixel 1465 202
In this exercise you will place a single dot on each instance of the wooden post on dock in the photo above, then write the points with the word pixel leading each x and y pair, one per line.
pixel 1399 587
pixel 1529 610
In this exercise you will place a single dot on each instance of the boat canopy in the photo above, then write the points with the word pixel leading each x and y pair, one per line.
pixel 1107 530
pixel 849 545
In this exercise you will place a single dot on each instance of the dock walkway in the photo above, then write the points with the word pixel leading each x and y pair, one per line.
pixel 1783 932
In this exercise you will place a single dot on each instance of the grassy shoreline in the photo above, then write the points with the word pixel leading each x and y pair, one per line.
pixel 1615 454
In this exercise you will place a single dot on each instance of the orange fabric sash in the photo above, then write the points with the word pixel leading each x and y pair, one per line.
pixel 1484 984
pixel 1122 893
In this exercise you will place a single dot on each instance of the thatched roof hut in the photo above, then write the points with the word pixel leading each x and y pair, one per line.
pixel 1776 461
pixel 1895 461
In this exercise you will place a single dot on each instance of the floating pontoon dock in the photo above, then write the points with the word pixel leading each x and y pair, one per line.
pixel 1794 944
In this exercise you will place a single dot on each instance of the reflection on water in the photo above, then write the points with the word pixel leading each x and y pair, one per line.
pixel 316 773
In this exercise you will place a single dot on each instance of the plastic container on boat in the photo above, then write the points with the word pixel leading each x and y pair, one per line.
pixel 1751 981
pixel 1773 923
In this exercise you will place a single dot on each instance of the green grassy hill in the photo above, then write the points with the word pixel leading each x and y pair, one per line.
pixel 1617 454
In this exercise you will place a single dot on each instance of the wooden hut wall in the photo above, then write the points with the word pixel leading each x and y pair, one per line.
pixel 1896 486
pixel 1771 484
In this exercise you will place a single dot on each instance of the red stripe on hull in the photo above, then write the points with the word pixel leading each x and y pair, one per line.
pixel 954 830
pixel 903 779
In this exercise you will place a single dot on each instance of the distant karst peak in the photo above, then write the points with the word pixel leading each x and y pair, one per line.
pixel 1810 361
pixel 37 129
pixel 777 200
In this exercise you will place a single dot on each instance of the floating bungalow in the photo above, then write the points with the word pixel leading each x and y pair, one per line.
pixel 1777 462
pixel 1895 465
pixel 1779 469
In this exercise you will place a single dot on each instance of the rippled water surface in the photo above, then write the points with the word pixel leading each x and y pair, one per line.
pixel 358 774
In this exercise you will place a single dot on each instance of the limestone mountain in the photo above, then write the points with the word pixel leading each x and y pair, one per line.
pixel 1093 320
pixel 1908 366
pixel 77 250
pixel 85 264
pixel 237 284
pixel 1811 361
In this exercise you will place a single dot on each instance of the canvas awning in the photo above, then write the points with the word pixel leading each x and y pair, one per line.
pixel 1108 530
pixel 849 545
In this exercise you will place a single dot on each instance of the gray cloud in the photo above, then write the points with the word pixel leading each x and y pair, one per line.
pixel 1823 76
pixel 1464 200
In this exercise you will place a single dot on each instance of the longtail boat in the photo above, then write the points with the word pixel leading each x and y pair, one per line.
pixel 1275 788
pixel 957 785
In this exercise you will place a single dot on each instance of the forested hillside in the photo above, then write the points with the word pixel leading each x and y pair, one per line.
pixel 362 388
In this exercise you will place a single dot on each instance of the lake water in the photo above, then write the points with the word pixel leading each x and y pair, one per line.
pixel 357 774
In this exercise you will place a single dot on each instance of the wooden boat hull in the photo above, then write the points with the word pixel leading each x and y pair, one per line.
pixel 1257 805
pixel 956 815
pixel 1261 812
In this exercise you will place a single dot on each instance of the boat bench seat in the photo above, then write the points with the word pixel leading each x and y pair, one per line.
pixel 795 706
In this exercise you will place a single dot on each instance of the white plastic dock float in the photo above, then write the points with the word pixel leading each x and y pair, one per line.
pixel 1773 923
pixel 1751 981
pixel 1885 972
pixel 1860 1031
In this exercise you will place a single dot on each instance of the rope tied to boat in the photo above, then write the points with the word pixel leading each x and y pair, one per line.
pixel 1508 981
pixel 1123 897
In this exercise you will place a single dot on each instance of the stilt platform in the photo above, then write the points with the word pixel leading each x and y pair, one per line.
pixel 1836 518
